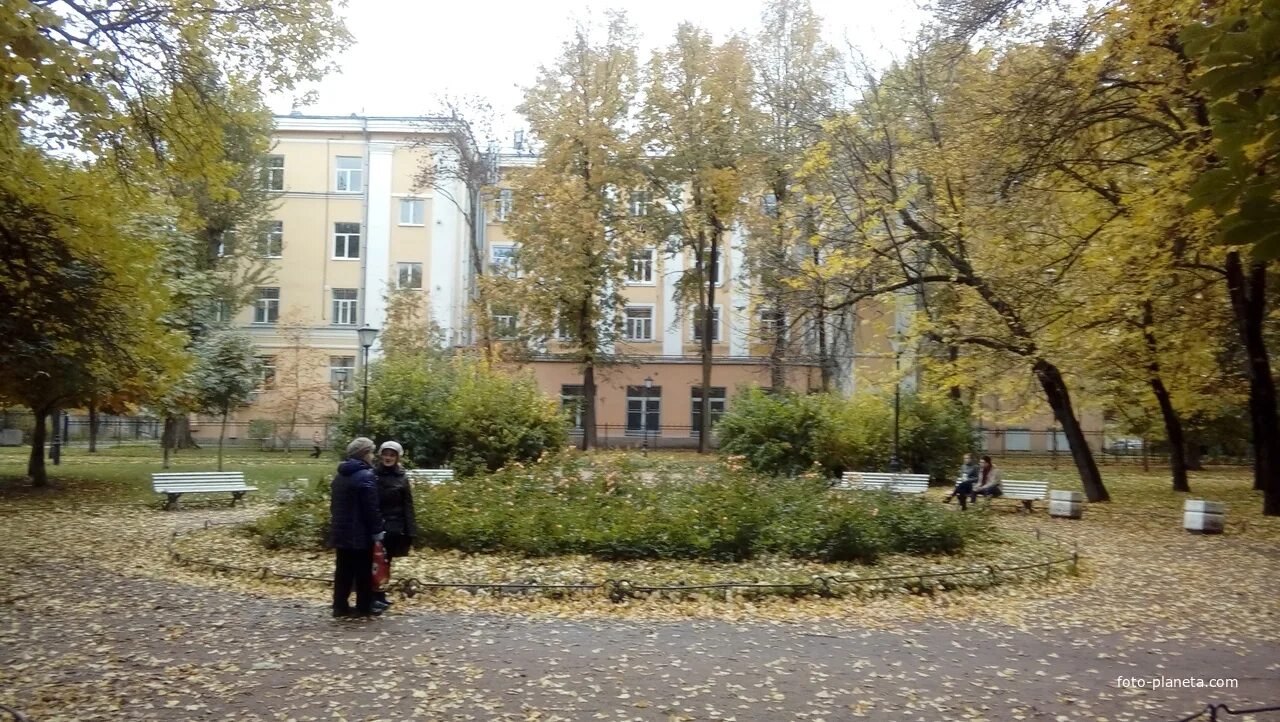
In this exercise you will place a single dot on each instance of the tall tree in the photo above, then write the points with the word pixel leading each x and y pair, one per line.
pixel 571 211
pixel 699 122
pixel 795 90
pixel 464 171
pixel 80 284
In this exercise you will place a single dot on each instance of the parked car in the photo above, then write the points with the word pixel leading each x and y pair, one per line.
pixel 1124 447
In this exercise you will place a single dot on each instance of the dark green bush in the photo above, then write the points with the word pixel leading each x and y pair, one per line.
pixel 548 509
pixel 457 413
pixel 791 433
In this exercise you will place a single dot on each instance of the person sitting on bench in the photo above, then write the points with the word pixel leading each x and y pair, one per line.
pixel 988 480
pixel 965 483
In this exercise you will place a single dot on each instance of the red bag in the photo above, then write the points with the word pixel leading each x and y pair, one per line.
pixel 381 565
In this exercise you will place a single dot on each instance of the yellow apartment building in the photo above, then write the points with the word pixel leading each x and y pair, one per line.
pixel 352 223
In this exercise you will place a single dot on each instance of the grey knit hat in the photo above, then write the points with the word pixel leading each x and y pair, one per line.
pixel 359 446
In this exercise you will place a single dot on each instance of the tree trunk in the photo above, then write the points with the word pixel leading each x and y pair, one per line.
pixel 778 354
pixel 1248 302
pixel 1059 398
pixel 1172 422
pixel 35 463
pixel 222 434
pixel 93 428
pixel 589 436
pixel 177 432
pixel 708 326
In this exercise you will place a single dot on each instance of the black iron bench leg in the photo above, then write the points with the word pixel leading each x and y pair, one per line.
pixel 172 502
pixel 236 496
pixel 1026 504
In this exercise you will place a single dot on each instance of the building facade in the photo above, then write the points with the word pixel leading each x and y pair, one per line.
pixel 354 221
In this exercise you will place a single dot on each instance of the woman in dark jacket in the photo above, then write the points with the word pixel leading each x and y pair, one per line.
pixel 354 526
pixel 395 499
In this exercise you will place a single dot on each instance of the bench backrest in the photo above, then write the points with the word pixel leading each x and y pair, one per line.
pixel 877 480
pixel 1025 489
pixel 430 476
pixel 198 481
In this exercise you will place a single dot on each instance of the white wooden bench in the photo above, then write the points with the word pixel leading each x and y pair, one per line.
pixel 1024 491
pixel 879 481
pixel 430 476
pixel 175 484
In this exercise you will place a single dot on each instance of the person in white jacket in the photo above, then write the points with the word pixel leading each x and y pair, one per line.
pixel 988 480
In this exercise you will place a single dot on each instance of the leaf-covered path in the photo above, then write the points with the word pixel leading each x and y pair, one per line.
pixel 95 625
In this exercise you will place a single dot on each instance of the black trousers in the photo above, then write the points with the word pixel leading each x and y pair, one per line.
pixel 353 568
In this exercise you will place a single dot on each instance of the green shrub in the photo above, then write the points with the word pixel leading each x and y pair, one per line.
pixel 458 413
pixel 783 434
pixel 301 523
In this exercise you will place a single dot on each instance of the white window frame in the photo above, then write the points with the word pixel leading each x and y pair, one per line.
pixel 769 327
pixel 505 326
pixel 274 241
pixel 649 403
pixel 404 266
pixel 578 400
pixel 503 204
pixel 695 328
pixel 266 372
pixel 695 407
pixel 647 323
pixel 346 177
pixel 345 237
pixel 416 206
pixel 638 203
pixel 769 205
pixel 222 312
pixel 346 310
pixel 266 310
pixel 349 366
pixel 506 263
pixel 273 173
pixel 635 260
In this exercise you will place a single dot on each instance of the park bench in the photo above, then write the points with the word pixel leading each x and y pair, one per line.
pixel 879 481
pixel 175 484
pixel 430 476
pixel 1024 491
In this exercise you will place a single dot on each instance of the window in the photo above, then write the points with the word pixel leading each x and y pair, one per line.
pixel 350 174
pixel 346 240
pixel 504 325
pixel 502 258
pixel 717 407
pixel 226 243
pixel 342 372
pixel 272 243
pixel 715 324
pixel 769 205
pixel 562 328
pixel 641 268
pixel 772 322
pixel 644 408
pixel 409 275
pixel 273 173
pixel 412 211
pixel 267 308
pixel 502 209
pixel 639 323
pixel 346 306
pixel 571 402
pixel 266 372
pixel 638 202
pixel 221 312
pixel 1017 440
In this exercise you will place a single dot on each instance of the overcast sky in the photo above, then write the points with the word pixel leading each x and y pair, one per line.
pixel 408 52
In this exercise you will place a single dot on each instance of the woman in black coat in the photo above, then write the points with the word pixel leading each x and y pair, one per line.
pixel 395 500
